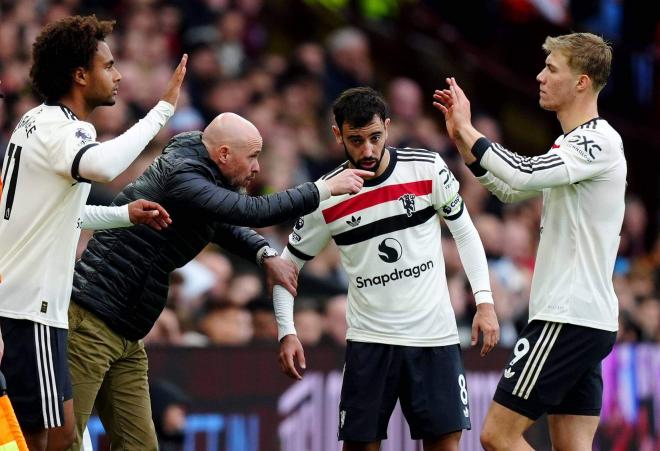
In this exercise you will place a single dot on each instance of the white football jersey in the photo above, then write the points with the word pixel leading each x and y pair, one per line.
pixel 583 181
pixel 389 239
pixel 40 209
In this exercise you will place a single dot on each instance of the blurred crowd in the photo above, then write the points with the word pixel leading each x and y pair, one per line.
pixel 237 65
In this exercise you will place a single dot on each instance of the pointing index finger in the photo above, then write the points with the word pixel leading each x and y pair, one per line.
pixel 363 173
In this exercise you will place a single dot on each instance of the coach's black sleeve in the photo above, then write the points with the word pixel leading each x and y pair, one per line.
pixel 191 187
pixel 241 241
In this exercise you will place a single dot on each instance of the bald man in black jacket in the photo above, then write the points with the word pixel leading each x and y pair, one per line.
pixel 121 282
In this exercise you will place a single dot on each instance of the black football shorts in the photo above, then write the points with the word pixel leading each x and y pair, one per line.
pixel 429 382
pixel 37 372
pixel 555 368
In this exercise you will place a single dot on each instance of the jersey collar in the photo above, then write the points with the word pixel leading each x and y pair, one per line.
pixel 594 120
pixel 66 109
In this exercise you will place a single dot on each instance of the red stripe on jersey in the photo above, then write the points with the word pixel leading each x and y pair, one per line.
pixel 375 197
pixel 555 146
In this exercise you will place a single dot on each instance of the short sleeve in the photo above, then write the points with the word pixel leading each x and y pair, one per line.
pixel 73 140
pixel 445 186
pixel 586 154
pixel 309 236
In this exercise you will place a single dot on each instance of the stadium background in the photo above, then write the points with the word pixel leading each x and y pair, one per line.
pixel 216 384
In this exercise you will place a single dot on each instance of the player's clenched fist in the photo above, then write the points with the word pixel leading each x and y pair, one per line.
pixel 348 181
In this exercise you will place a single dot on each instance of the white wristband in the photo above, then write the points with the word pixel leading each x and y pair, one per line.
pixel 483 297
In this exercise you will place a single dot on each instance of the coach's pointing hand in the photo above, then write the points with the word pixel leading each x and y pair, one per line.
pixel 348 181
pixel 171 95
pixel 486 321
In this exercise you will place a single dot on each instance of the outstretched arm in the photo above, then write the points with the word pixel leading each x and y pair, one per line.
pixel 191 187
pixel 577 157
pixel 140 211
pixel 521 173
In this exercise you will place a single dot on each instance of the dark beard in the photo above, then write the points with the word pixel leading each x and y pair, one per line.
pixel 356 165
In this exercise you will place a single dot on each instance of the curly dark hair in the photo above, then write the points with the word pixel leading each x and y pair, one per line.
pixel 357 107
pixel 60 48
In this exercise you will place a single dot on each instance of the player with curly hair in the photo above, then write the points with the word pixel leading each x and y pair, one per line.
pixel 51 159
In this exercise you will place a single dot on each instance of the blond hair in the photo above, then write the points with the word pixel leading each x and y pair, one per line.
pixel 586 53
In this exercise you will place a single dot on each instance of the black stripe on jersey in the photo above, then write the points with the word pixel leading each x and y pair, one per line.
pixel 408 152
pixel 10 152
pixel 335 171
pixel 529 161
pixel 11 188
pixel 75 166
pixel 457 214
pixel 383 226
pixel 527 164
pixel 415 149
pixel 68 113
pixel 529 167
pixel 424 160
pixel 297 253
pixel 590 124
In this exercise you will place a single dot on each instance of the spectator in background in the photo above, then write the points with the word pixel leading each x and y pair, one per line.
pixel 334 321
pixel 227 325
pixel 229 48
pixel 648 318
pixel 634 228
pixel 263 321
pixel 350 62
pixel 405 96
pixel 166 330
pixel 311 56
pixel 309 322
pixel 243 288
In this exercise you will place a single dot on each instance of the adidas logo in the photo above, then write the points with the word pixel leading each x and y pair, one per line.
pixel 354 222
pixel 508 374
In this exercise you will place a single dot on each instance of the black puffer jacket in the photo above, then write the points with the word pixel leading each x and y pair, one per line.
pixel 123 275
